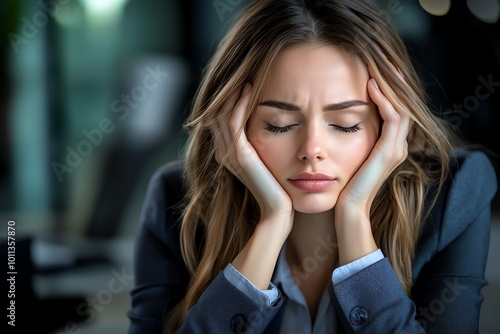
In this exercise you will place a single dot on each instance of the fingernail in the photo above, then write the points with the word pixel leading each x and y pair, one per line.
pixel 374 82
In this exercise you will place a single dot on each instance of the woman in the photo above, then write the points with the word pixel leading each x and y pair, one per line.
pixel 318 193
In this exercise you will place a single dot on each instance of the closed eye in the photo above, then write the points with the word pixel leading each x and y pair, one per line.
pixel 351 129
pixel 282 129
pixel 279 129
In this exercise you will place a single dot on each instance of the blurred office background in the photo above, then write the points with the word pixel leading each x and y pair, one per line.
pixel 93 98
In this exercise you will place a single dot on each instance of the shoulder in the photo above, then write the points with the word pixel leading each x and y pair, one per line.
pixel 168 176
pixel 160 274
pixel 469 189
pixel 162 206
pixel 472 182
pixel 465 195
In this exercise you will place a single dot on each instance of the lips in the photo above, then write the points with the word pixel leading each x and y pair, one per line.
pixel 312 176
pixel 312 181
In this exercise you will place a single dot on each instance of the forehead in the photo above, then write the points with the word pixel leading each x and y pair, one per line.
pixel 320 68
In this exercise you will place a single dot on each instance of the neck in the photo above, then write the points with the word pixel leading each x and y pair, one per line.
pixel 312 243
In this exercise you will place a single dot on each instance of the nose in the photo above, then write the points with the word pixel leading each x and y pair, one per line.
pixel 312 143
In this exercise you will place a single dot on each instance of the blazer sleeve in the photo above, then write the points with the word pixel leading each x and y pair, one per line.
pixel 223 308
pixel 448 270
pixel 161 276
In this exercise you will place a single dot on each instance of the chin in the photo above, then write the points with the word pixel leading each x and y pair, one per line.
pixel 312 206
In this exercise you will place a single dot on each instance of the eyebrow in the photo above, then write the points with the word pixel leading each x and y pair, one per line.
pixel 329 107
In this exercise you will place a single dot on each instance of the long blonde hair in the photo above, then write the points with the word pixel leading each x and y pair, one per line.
pixel 224 210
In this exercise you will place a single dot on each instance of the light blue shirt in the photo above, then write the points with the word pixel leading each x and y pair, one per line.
pixel 296 318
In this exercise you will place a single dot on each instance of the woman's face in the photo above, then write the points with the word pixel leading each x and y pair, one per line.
pixel 315 117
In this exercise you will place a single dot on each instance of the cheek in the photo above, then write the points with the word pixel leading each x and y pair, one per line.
pixel 273 150
pixel 352 152
pixel 261 139
pixel 258 136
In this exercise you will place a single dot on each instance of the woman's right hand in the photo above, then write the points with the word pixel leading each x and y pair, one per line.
pixel 244 162
pixel 257 260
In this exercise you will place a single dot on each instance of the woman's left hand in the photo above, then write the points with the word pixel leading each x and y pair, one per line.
pixel 352 211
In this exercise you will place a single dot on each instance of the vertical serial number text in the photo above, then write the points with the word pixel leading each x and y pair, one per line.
pixel 11 272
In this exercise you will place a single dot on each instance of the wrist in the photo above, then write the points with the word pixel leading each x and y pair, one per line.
pixel 257 259
pixel 277 224
pixel 354 236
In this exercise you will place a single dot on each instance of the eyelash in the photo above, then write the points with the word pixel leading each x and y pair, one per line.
pixel 278 129
pixel 351 129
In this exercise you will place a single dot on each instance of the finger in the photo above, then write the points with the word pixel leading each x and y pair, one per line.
pixel 225 137
pixel 225 117
pixel 228 106
pixel 391 119
pixel 404 127
pixel 381 100
pixel 221 147
pixel 222 133
pixel 237 117
pixel 395 128
pixel 243 149
pixel 402 141
pixel 406 122
pixel 381 87
pixel 221 118
pixel 232 135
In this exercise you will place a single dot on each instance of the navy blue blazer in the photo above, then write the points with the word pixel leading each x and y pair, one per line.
pixel 448 268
